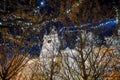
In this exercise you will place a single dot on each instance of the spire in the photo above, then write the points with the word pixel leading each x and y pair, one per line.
pixel 53 30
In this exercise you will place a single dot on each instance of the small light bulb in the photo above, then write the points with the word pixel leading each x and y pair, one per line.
pixel 42 3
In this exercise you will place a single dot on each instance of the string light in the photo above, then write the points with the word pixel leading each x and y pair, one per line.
pixel 67 11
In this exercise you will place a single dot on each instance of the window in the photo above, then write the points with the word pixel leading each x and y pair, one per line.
pixel 49 41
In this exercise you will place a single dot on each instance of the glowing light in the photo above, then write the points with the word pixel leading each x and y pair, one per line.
pixel 42 3
pixel 34 29
pixel 0 23
pixel 68 11
pixel 117 20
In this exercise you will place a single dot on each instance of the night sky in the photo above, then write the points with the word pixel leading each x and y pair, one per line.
pixel 12 5
pixel 45 6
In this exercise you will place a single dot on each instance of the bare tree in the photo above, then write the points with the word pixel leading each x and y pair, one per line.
pixel 85 61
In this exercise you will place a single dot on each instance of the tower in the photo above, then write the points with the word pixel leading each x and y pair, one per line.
pixel 51 44
pixel 49 50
